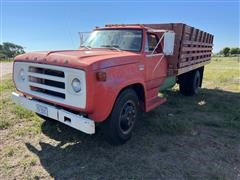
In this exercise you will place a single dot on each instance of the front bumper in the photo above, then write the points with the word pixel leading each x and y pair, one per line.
pixel 73 120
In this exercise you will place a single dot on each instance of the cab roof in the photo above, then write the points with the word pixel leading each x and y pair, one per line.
pixel 123 26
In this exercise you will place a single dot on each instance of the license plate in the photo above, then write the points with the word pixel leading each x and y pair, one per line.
pixel 42 110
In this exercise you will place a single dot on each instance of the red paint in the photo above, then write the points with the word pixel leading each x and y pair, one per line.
pixel 121 68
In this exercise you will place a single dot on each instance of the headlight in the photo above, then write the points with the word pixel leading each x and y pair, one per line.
pixel 76 85
pixel 22 74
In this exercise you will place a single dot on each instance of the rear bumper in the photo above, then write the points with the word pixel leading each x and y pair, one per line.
pixel 73 120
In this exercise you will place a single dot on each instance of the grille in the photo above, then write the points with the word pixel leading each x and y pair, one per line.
pixel 51 82
pixel 47 81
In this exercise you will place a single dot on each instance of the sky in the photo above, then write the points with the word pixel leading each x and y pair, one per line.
pixel 54 24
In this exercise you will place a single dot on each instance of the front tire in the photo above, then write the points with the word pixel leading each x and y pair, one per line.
pixel 118 127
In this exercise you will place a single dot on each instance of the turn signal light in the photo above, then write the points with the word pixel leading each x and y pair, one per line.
pixel 101 76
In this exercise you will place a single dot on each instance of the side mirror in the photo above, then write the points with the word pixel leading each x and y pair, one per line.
pixel 168 46
pixel 83 37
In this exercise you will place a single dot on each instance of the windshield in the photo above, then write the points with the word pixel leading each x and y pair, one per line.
pixel 118 39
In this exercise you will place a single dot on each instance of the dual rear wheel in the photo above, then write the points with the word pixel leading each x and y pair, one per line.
pixel 191 82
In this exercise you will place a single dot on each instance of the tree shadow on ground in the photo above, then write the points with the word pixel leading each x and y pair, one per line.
pixel 212 152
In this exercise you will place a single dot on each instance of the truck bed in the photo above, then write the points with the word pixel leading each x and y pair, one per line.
pixel 193 47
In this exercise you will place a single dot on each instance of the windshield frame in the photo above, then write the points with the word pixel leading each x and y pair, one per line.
pixel 139 29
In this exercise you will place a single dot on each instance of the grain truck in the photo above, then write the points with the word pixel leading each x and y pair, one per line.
pixel 116 74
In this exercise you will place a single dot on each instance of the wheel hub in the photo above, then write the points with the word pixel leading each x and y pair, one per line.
pixel 127 117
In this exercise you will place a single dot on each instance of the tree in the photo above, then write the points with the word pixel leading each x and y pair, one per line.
pixel 10 50
pixel 226 51
pixel 221 52
pixel 234 51
pixel 2 56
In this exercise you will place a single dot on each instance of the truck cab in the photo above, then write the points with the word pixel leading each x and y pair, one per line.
pixel 117 73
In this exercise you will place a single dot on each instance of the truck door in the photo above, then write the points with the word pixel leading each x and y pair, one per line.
pixel 155 63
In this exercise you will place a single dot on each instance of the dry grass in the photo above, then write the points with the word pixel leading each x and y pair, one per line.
pixel 186 138
pixel 223 73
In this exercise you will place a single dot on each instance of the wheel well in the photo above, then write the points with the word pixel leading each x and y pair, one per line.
pixel 139 89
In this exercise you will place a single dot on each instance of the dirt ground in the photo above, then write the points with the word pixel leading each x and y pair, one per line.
pixel 194 142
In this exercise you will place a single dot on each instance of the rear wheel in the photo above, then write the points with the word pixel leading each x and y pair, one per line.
pixel 118 127
pixel 190 83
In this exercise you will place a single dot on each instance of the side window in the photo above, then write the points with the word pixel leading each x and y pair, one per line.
pixel 152 40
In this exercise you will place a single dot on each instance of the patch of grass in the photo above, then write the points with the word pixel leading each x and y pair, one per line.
pixel 22 113
pixel 11 113
pixel 223 73
pixel 163 148
pixel 33 128
pixel 3 103
pixel 6 85
pixel 7 117
pixel 6 60
pixel 4 124
pixel 168 123
pixel 28 162
pixel 221 109
pixel 9 151
pixel 21 132
pixel 218 176
pixel 36 125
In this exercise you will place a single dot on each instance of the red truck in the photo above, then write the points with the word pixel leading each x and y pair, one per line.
pixel 116 74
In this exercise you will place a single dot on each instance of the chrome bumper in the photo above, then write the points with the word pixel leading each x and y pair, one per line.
pixel 73 120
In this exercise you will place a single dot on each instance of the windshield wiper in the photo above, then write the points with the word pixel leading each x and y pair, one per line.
pixel 87 47
pixel 115 47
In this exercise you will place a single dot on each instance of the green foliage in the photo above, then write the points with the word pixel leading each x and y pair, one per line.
pixel 226 51
pixel 2 55
pixel 229 51
pixel 234 51
pixel 10 50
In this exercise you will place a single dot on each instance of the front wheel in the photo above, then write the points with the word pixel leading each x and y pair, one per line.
pixel 118 127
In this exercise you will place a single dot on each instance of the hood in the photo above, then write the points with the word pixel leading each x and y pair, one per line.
pixel 81 59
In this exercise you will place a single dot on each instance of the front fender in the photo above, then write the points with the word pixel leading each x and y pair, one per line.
pixel 106 92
